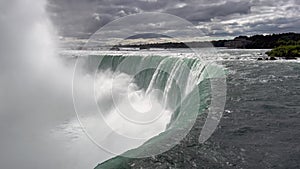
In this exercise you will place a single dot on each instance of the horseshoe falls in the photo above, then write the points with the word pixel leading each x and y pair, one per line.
pixel 148 103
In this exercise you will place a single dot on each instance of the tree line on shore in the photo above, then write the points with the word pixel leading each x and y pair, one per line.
pixel 286 45
pixel 241 42
pixel 260 41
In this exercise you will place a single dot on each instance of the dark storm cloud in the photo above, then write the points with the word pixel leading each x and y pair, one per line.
pixel 199 12
pixel 215 17
pixel 264 17
pixel 77 17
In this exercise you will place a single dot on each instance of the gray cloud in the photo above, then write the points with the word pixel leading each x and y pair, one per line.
pixel 204 12
pixel 215 17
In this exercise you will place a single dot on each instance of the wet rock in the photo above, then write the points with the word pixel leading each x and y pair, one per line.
pixel 290 58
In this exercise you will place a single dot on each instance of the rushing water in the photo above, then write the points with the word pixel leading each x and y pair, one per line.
pixel 262 102
pixel 256 86
pixel 142 96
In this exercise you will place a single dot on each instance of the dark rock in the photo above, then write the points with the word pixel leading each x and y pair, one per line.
pixel 290 58
pixel 115 48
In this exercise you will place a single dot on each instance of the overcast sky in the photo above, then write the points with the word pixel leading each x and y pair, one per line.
pixel 216 18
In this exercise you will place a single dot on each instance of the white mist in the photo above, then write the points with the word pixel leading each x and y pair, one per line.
pixel 35 95
pixel 38 124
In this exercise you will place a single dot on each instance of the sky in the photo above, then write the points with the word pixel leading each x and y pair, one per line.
pixel 216 19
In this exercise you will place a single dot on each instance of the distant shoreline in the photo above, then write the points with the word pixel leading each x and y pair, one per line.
pixel 241 42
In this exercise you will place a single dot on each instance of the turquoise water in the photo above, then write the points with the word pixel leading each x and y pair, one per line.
pixel 185 90
pixel 260 122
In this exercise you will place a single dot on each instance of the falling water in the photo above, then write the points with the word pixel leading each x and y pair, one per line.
pixel 39 127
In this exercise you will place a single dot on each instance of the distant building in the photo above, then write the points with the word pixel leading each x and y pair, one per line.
pixel 239 42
